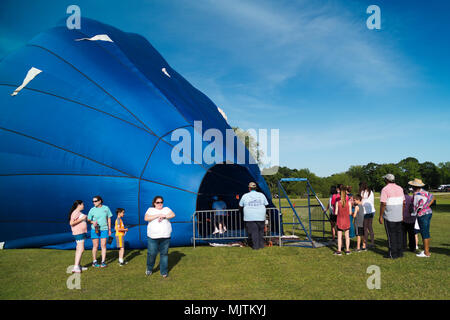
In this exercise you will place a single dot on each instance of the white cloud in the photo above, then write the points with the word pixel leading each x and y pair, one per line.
pixel 278 41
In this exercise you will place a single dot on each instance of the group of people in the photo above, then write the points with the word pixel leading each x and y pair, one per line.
pixel 403 216
pixel 253 204
pixel 159 228
pixel 159 232
pixel 351 215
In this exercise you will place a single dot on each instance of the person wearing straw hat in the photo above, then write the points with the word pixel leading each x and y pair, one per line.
pixel 392 201
pixel 422 209
pixel 254 204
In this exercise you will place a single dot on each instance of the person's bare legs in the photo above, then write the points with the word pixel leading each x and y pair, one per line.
pixel 79 252
pixel 333 230
pixel 339 238
pixel 426 246
pixel 121 253
pixel 94 249
pixel 103 245
pixel 347 240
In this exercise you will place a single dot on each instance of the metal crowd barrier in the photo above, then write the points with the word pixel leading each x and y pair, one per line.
pixel 205 225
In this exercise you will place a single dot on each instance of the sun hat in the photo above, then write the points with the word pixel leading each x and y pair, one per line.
pixel 252 185
pixel 416 183
pixel 389 177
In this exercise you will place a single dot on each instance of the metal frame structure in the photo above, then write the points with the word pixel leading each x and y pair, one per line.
pixel 310 192
pixel 203 225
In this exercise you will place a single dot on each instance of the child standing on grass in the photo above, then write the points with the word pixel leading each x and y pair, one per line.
pixel 333 194
pixel 78 224
pixel 120 234
pixel 358 217
pixel 343 211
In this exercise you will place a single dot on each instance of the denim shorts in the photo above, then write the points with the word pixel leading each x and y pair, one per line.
pixel 103 234
pixel 424 223
pixel 80 237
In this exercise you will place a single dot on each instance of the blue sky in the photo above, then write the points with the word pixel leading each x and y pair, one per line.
pixel 339 93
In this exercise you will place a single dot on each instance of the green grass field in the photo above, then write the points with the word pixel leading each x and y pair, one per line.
pixel 215 273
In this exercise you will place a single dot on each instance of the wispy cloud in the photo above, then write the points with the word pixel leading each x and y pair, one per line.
pixel 281 40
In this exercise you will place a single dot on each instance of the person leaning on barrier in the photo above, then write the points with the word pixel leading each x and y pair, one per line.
pixel 219 218
pixel 254 205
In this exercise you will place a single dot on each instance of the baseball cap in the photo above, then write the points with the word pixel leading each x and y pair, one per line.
pixel 252 185
pixel 389 177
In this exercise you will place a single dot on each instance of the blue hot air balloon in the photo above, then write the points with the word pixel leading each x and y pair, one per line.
pixel 91 112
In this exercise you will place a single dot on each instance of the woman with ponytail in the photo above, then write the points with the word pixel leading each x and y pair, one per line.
pixel 77 221
pixel 343 211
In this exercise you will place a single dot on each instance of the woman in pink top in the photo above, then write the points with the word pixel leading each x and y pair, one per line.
pixel 78 224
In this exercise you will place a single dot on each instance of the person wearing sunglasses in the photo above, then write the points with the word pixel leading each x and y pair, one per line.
pixel 100 219
pixel 159 231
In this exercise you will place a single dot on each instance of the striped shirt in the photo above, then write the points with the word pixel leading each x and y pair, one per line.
pixel 393 196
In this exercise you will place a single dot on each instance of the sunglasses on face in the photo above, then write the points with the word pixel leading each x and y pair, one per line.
pixel 95 201
pixel 157 202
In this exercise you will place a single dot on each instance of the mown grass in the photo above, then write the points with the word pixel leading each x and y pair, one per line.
pixel 218 273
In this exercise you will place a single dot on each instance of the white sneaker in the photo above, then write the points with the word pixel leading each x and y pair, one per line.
pixel 83 268
pixel 422 255
pixel 216 231
pixel 76 269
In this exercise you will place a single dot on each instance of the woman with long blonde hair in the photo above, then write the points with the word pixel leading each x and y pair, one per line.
pixel 343 211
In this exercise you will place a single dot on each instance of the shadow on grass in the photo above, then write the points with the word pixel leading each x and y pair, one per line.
pixel 380 246
pixel 113 255
pixel 174 258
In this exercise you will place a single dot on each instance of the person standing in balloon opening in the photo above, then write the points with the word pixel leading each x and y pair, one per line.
pixel 100 219
pixel 77 221
pixel 159 231
pixel 219 218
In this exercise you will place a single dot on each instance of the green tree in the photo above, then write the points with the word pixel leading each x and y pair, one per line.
pixel 410 169
pixel 430 174
pixel 444 172
pixel 250 143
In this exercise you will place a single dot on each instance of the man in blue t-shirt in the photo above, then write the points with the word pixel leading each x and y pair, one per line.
pixel 254 204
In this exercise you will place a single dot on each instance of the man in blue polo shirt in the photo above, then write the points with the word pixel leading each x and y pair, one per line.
pixel 254 204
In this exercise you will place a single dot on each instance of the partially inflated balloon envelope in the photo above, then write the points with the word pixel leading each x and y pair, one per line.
pixel 91 112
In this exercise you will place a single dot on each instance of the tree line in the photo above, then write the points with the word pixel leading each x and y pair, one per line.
pixel 372 173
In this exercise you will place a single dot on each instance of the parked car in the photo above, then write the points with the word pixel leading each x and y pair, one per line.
pixel 444 188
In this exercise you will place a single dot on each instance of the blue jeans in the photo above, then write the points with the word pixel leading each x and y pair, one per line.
pixel 160 245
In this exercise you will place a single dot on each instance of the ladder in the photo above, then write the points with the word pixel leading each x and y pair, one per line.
pixel 314 221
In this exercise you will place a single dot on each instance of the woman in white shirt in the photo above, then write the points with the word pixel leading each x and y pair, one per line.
pixel 159 230
pixel 368 203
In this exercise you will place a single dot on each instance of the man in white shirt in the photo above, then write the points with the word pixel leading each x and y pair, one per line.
pixel 254 204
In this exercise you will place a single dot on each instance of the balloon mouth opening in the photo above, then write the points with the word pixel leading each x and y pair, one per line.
pixel 227 181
